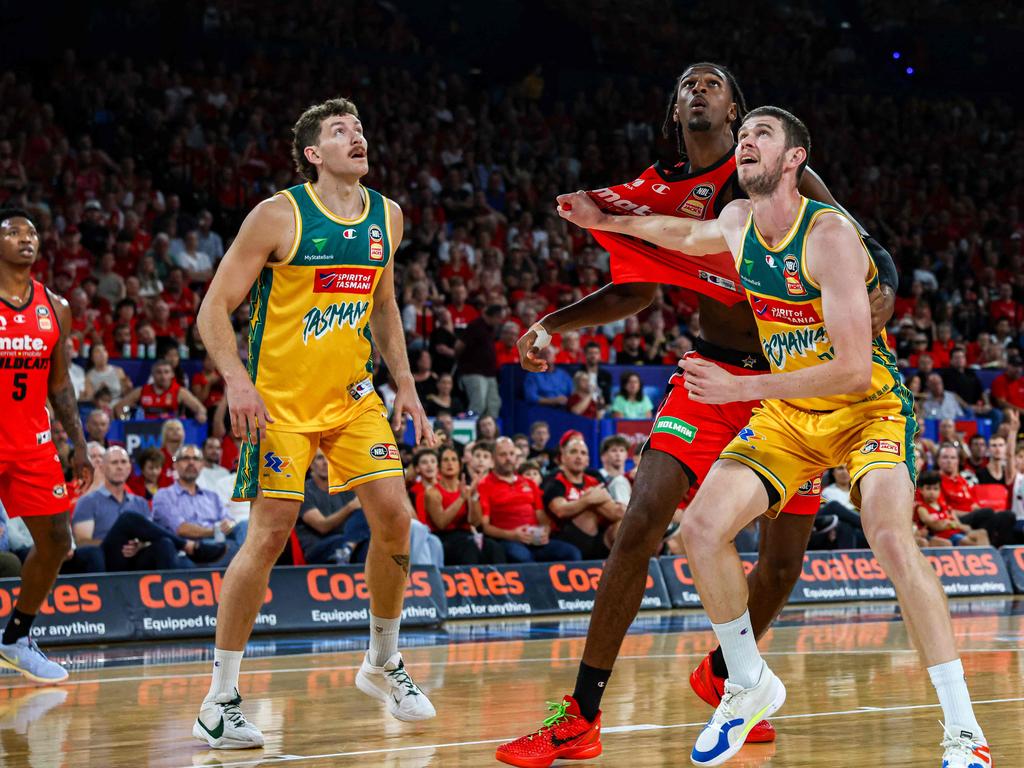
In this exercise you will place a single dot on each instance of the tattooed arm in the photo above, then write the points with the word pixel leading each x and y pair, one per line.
pixel 62 393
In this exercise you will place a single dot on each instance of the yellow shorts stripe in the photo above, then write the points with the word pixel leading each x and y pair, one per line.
pixel 360 479
pixel 760 469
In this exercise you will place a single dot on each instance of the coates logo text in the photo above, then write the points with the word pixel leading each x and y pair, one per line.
pixel 343 280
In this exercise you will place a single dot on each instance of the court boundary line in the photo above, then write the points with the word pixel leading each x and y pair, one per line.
pixel 613 730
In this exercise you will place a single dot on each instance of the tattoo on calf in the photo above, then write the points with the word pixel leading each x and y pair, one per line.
pixel 403 561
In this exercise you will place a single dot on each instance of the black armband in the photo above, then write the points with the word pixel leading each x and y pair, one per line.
pixel 887 273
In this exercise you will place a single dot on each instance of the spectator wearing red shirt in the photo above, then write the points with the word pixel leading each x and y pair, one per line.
pixel 164 398
pixel 208 386
pixel 585 399
pixel 457 266
pixel 582 511
pixel 959 497
pixel 590 336
pixel 512 511
pixel 180 299
pixel 505 349
pixel 934 514
pixel 571 352
pixel 1005 306
pixel 600 379
pixel 453 512
pixel 424 462
pixel 1008 387
pixel 151 477
pixel 462 313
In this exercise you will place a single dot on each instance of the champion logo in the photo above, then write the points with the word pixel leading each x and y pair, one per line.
pixel 349 234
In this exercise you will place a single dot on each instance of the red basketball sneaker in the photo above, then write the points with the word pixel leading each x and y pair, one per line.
pixel 710 688
pixel 566 734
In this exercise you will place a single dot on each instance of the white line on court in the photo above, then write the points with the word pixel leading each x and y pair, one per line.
pixel 612 730
pixel 489 662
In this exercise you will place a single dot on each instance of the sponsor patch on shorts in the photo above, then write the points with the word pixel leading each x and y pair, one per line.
pixel 60 491
pixel 883 446
pixel 383 451
pixel 670 425
pixel 810 488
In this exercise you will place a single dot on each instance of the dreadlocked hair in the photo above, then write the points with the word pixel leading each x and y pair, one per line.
pixel 670 127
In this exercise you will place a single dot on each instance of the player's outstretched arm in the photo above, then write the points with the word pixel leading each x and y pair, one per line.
pixel 606 305
pixel 696 238
pixel 835 260
pixel 258 239
pixel 389 336
pixel 62 392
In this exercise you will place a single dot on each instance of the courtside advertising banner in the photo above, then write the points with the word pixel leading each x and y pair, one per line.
pixel 857 575
pixel 1015 564
pixel 531 589
pixel 170 604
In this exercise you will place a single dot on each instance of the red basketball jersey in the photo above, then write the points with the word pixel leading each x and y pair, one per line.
pixel 672 192
pixel 28 337
pixel 160 405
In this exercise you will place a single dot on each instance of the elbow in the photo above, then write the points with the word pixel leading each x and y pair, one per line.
pixel 858 378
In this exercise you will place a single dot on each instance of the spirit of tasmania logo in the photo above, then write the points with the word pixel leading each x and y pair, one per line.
pixel 341 280
pixel 796 343
pixel 318 322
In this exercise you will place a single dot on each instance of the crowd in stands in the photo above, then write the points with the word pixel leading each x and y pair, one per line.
pixel 138 171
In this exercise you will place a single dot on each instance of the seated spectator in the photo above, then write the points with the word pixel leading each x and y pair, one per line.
pixel 940 404
pixel 977 455
pixel 540 439
pixel 571 351
pixel 522 442
pixel 933 512
pixel 963 383
pixel 999 469
pixel 531 471
pixel 425 465
pixel 481 459
pixel 75 371
pixel 331 529
pixel 511 509
pixel 10 563
pixel 614 454
pixel 581 510
pixel 151 476
pixel 164 398
pixel 114 531
pixel 631 402
pixel 959 497
pixel 478 366
pixel 487 429
pixel 505 349
pixel 212 474
pixel 551 386
pixel 172 437
pixel 632 352
pixel 197 266
pixel 453 513
pixel 208 385
pixel 422 366
pixel 948 433
pixel 1008 387
pixel 600 379
pixel 102 373
pixel 194 513
pixel 846 532
pixel 585 400
pixel 97 425
pixel 445 398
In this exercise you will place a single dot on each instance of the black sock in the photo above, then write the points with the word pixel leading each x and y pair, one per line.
pixel 17 627
pixel 590 684
pixel 718 663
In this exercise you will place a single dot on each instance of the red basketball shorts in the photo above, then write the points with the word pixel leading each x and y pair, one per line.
pixel 33 485
pixel 696 433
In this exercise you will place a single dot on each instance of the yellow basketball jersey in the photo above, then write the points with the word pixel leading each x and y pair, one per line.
pixel 309 334
pixel 787 308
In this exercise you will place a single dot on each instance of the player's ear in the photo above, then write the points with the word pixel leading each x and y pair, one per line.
pixel 312 154
pixel 732 113
pixel 797 156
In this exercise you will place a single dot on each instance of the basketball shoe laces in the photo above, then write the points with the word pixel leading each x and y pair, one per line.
pixel 401 677
pixel 558 716
pixel 961 744
pixel 232 713
pixel 731 699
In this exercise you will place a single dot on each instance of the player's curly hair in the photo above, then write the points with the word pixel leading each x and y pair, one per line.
pixel 10 212
pixel 670 127
pixel 306 131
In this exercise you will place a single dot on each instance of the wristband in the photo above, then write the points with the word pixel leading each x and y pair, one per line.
pixel 543 337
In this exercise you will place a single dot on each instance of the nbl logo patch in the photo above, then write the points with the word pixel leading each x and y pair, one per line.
pixel 376 243
pixel 382 451
pixel 696 203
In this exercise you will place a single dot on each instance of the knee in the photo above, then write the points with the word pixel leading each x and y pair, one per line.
pixel 700 531
pixel 779 574
pixel 267 540
pixel 893 545
pixel 392 525
pixel 56 542
pixel 643 525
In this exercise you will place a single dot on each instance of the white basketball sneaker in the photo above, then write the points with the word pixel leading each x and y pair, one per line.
pixel 740 710
pixel 222 725
pixel 392 685
pixel 965 750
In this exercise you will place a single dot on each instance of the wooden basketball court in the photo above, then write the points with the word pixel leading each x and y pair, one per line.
pixel 857 696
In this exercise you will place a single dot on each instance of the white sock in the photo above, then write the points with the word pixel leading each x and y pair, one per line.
pixel 383 639
pixel 957 710
pixel 739 646
pixel 225 673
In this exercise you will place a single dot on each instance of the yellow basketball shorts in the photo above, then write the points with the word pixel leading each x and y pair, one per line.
pixel 789 447
pixel 358 451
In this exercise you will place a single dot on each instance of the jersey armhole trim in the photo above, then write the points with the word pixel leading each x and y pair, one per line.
pixel 56 315
pixel 738 258
pixel 287 195
pixel 392 245
pixel 807 234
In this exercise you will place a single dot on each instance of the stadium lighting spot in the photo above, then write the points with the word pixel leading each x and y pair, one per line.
pixel 910 70
pixel 896 54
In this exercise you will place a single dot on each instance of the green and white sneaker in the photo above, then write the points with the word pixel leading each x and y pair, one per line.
pixel 26 657
pixel 392 685
pixel 222 725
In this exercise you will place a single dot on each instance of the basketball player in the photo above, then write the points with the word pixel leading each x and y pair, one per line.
pixel 317 261
pixel 34 326
pixel 834 396
pixel 705 109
